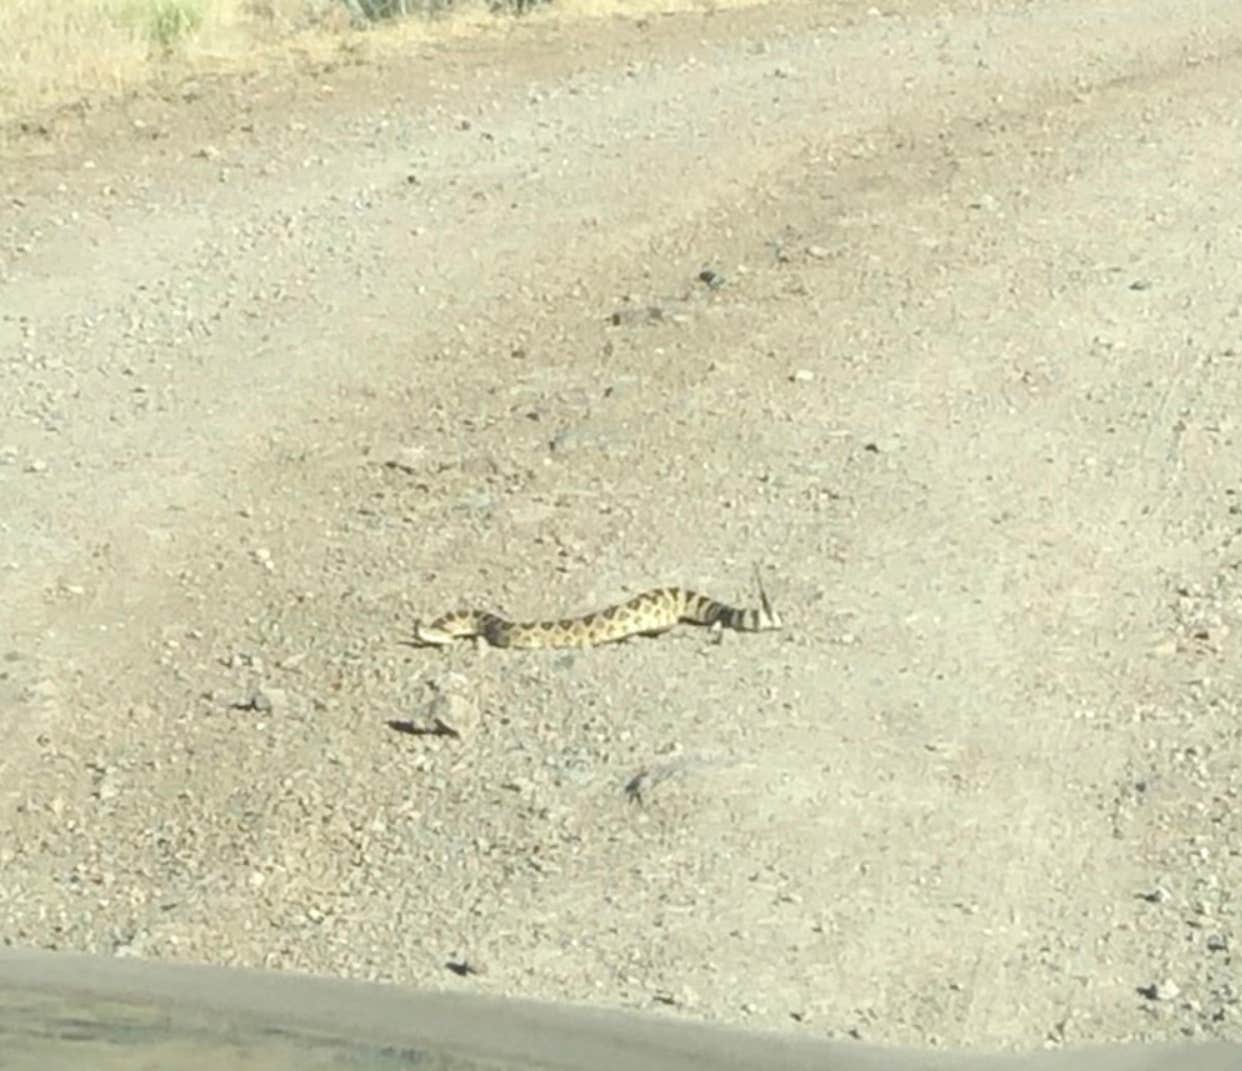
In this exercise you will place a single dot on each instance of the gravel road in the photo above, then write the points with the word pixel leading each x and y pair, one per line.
pixel 930 309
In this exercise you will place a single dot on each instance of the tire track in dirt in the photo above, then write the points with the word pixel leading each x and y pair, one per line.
pixel 906 829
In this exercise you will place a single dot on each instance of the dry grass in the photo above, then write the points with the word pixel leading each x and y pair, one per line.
pixel 61 52
pixel 67 52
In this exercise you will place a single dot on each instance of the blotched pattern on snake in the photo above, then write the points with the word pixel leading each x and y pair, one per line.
pixel 647 614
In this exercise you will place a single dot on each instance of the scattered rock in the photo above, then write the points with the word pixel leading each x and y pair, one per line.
pixel 630 315
pixel 44 691
pixel 265 700
pixel 108 786
pixel 132 944
pixel 577 438
pixel 1165 990
pixel 453 714
pixel 407 459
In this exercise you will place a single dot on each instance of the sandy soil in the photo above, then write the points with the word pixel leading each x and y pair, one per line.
pixel 289 361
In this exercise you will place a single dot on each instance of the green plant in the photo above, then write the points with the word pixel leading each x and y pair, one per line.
pixel 375 10
pixel 165 23
pixel 515 7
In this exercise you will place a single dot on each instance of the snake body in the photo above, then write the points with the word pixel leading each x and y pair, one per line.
pixel 647 614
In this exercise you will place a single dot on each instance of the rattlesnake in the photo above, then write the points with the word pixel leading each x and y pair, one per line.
pixel 647 614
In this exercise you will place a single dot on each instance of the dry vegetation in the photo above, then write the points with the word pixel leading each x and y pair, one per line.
pixel 83 52
pixel 66 51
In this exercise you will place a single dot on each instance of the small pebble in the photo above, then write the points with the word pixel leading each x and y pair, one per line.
pixel 453 714
pixel 1165 990
pixel 269 700
pixel 107 789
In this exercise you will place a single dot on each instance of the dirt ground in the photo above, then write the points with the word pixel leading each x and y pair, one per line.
pixel 289 361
